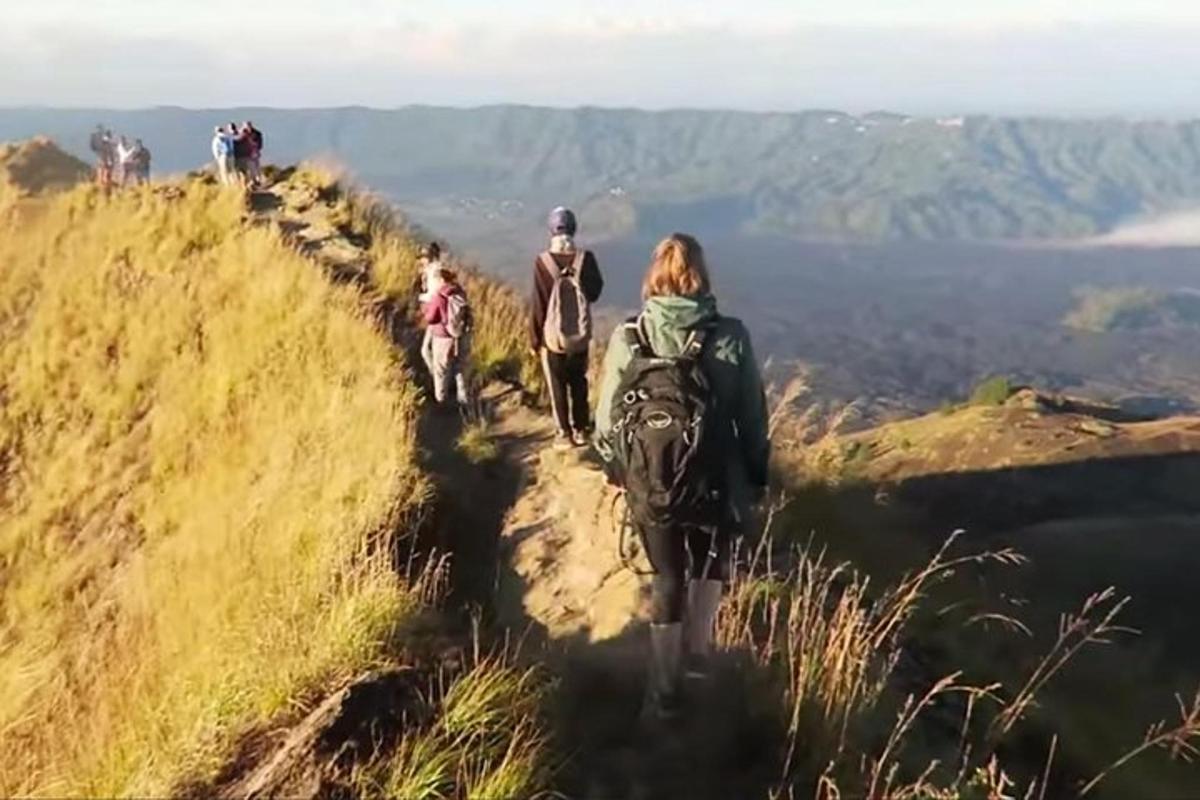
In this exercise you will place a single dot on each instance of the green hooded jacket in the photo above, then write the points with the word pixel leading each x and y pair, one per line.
pixel 731 368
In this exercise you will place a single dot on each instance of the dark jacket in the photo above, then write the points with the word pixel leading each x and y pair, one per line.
pixel 590 281
pixel 730 366
pixel 241 145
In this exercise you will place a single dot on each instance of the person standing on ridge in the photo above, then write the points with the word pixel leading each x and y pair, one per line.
pixel 127 162
pixel 222 150
pixel 682 426
pixel 255 137
pixel 101 144
pixel 448 323
pixel 241 153
pixel 142 162
pixel 566 281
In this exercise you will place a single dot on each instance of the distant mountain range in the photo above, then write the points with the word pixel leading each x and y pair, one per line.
pixel 814 174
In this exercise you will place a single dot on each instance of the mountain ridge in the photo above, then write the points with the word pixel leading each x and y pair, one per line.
pixel 807 174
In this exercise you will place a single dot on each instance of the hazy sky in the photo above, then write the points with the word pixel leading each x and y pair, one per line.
pixel 941 56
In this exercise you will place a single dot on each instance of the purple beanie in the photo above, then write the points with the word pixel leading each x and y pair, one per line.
pixel 562 220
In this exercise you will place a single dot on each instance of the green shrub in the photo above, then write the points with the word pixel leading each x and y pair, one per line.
pixel 992 392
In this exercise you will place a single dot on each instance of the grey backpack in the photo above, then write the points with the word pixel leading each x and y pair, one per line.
pixel 568 326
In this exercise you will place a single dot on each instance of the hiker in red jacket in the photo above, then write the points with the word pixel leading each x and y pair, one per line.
pixel 449 321
pixel 566 281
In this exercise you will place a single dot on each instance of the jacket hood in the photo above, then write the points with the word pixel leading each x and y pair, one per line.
pixel 680 312
pixel 668 320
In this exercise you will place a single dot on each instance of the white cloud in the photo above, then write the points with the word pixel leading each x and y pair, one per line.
pixel 640 60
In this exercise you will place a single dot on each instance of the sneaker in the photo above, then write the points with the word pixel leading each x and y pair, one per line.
pixel 579 439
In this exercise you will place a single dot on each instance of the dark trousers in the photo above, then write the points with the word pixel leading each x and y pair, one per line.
pixel 566 379
pixel 678 553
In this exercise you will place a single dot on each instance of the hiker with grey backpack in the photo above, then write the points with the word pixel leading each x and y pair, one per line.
pixel 566 281
pixel 449 322
pixel 682 427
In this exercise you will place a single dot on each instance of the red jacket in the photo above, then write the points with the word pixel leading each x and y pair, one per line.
pixel 437 310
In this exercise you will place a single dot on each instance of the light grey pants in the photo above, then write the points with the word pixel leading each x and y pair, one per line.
pixel 446 363
pixel 225 171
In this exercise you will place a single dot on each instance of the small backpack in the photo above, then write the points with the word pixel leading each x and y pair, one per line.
pixel 666 441
pixel 568 326
pixel 459 317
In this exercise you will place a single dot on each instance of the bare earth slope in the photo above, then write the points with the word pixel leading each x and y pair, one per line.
pixel 39 165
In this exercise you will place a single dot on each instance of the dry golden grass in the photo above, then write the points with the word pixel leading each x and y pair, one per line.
pixel 831 647
pixel 487 742
pixel 477 443
pixel 201 444
pixel 500 342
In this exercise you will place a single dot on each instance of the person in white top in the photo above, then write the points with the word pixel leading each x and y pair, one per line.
pixel 126 158
pixel 222 151
pixel 431 271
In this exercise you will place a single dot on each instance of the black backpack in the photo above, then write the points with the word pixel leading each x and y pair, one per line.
pixel 666 438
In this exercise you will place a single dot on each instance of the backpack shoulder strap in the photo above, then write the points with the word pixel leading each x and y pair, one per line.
pixel 693 349
pixel 635 338
pixel 549 264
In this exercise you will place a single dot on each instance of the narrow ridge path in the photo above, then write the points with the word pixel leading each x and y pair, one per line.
pixel 534 550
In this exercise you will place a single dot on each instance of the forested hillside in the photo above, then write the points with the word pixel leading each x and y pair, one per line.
pixel 819 174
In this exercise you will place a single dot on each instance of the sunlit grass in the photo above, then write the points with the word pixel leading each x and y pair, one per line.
pixel 201 441
pixel 487 741
pixel 477 444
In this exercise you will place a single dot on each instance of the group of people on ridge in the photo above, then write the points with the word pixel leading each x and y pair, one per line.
pixel 238 153
pixel 119 162
pixel 681 422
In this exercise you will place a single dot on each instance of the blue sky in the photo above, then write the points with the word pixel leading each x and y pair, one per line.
pixel 925 56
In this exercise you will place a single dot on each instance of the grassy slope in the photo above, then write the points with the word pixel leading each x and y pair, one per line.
pixel 1091 502
pixel 199 438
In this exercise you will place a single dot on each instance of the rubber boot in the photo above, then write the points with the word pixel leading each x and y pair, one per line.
pixel 704 599
pixel 664 672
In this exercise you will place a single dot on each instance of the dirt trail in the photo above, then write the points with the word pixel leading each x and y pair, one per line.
pixel 548 569
pixel 547 513
pixel 535 550
pixel 561 545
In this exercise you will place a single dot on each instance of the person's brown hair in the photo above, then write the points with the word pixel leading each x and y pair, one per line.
pixel 677 268
pixel 448 275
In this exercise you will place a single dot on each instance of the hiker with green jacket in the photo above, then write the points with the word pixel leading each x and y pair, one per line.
pixel 682 427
